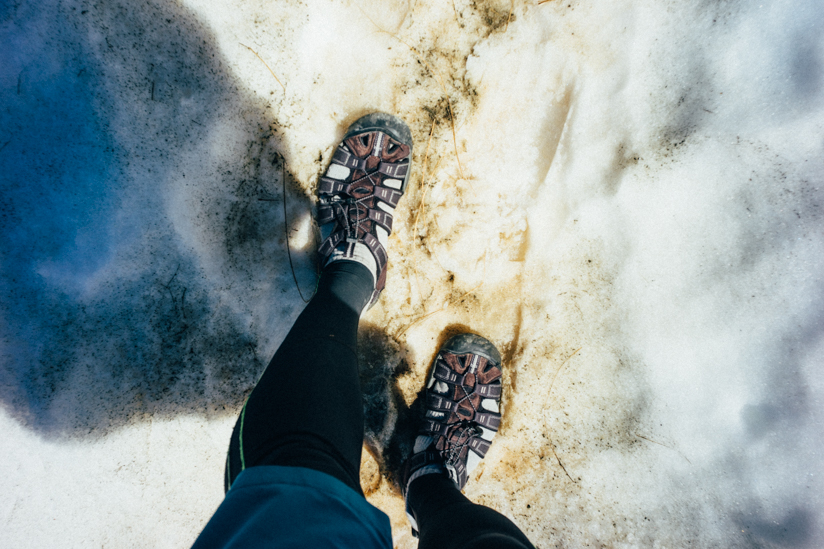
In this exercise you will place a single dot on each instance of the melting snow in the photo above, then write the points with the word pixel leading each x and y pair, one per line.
pixel 626 197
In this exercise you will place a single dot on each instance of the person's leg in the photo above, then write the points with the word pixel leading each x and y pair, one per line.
pixel 448 520
pixel 306 410
pixel 463 395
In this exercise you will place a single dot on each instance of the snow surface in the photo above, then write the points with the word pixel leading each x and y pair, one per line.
pixel 629 206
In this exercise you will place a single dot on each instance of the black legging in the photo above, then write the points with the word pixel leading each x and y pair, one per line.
pixel 307 411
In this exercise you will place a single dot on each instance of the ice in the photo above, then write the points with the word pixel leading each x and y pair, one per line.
pixel 625 197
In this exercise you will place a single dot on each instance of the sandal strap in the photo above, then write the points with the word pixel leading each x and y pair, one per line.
pixel 392 170
pixel 489 420
pixel 332 187
pixel 488 391
pixel 440 403
pixel 340 212
pixel 449 376
pixel 328 212
pixel 388 195
pixel 446 374
pixel 430 456
pixel 460 472
pixel 379 252
pixel 479 446
pixel 371 241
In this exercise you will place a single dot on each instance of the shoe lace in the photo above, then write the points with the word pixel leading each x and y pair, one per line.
pixel 463 430
pixel 460 438
pixel 466 397
pixel 343 208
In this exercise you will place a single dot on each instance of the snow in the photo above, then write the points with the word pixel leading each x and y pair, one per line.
pixel 628 204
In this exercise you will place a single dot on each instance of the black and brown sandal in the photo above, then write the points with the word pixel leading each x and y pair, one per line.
pixel 463 412
pixel 360 190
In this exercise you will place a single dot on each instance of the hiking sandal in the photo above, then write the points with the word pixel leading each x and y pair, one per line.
pixel 368 175
pixel 463 396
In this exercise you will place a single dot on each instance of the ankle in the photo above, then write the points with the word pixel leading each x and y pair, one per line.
pixel 349 281
pixel 428 496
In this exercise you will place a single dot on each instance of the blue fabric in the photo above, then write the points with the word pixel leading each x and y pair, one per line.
pixel 284 507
